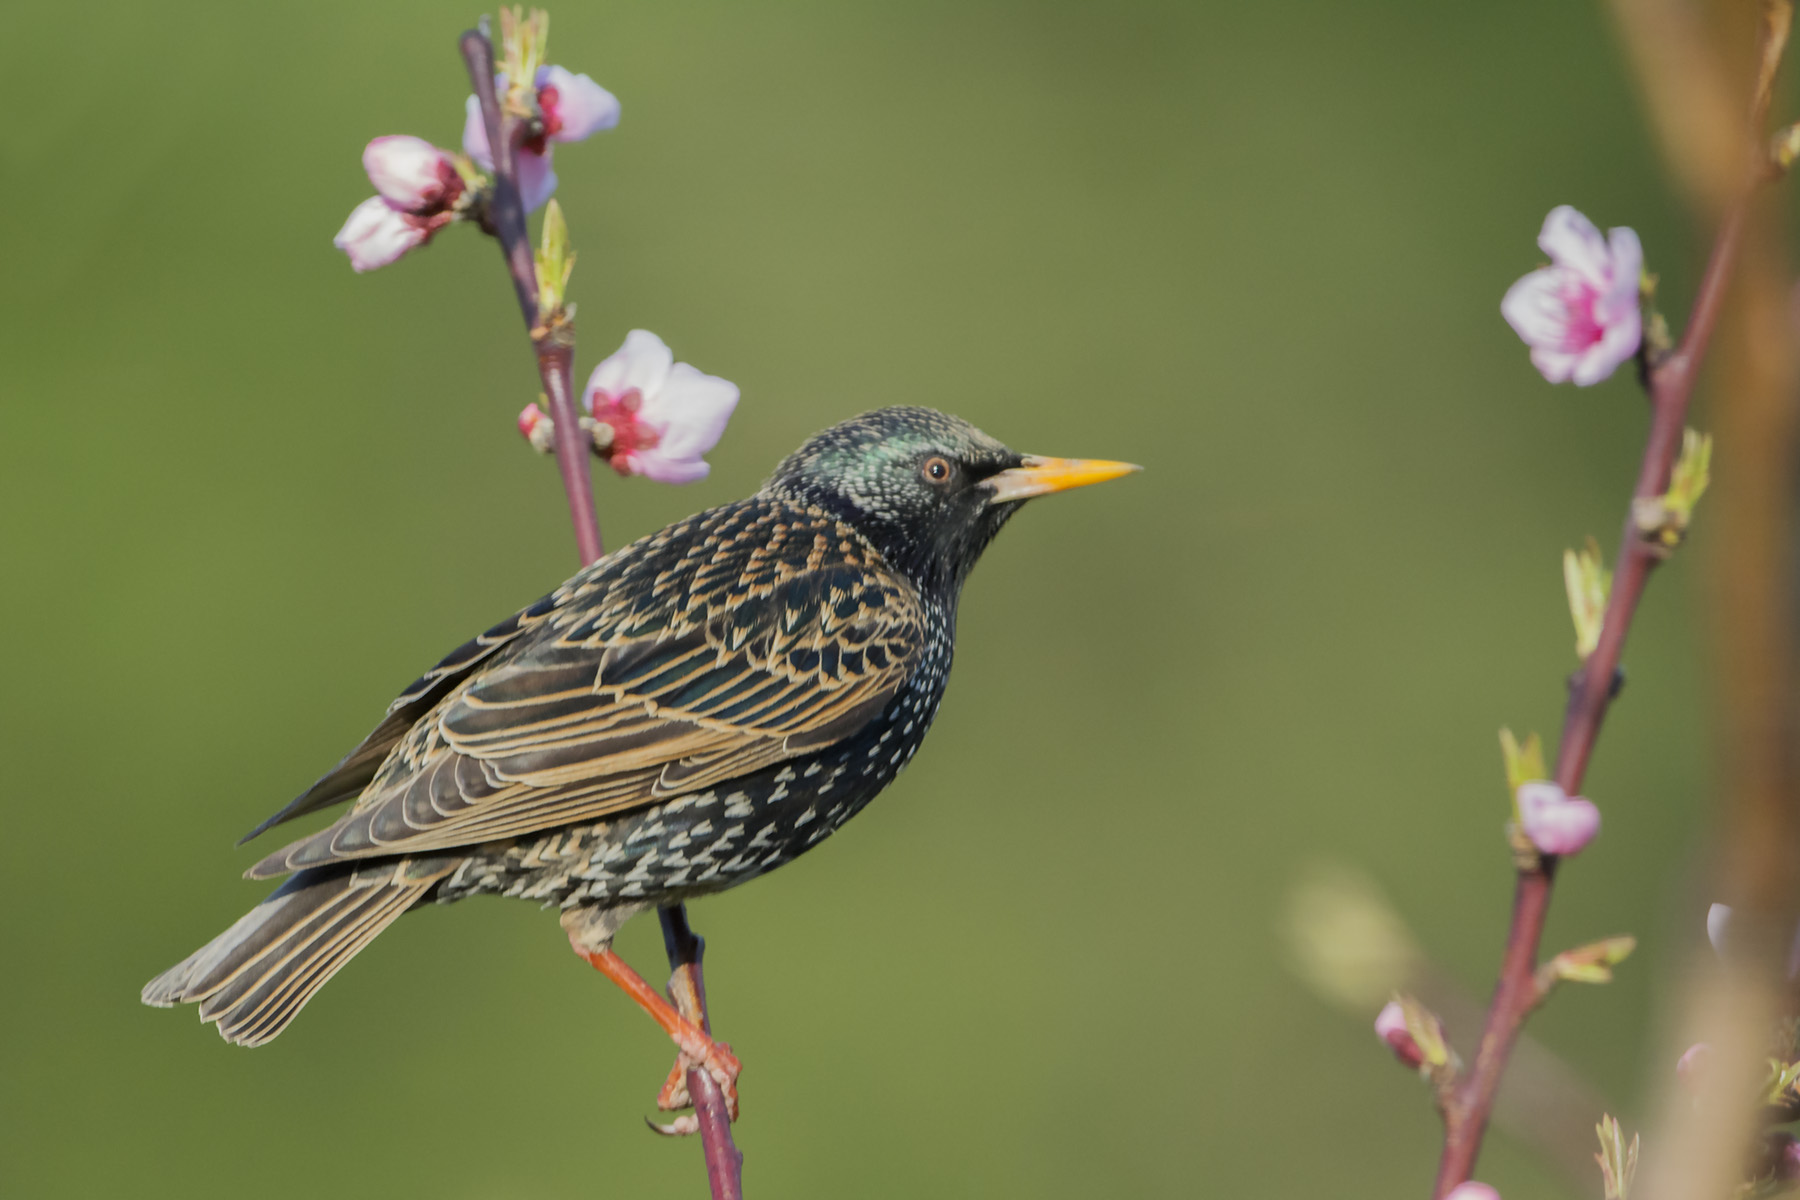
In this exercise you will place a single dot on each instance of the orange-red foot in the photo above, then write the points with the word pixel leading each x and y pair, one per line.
pixel 675 1096
pixel 697 1048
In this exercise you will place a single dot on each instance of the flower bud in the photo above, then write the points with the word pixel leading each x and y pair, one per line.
pixel 377 233
pixel 1556 822
pixel 412 175
pixel 537 428
pixel 1472 1191
pixel 1390 1027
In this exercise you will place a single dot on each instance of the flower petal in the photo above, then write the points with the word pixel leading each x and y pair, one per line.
pixel 537 182
pixel 579 109
pixel 1536 309
pixel 1621 298
pixel 475 142
pixel 653 464
pixel 1616 345
pixel 690 412
pixel 1571 240
pixel 410 173
pixel 1556 366
pixel 377 234
pixel 643 362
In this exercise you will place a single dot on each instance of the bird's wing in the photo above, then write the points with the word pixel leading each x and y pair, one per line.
pixel 618 705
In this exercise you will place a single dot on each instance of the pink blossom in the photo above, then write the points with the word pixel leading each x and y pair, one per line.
pixel 377 233
pixel 1580 314
pixel 1472 1191
pixel 1556 822
pixel 412 175
pixel 574 107
pixel 654 416
pixel 1390 1027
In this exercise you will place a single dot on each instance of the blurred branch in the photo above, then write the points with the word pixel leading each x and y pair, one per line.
pixel 1655 30
pixel 1703 1150
pixel 552 340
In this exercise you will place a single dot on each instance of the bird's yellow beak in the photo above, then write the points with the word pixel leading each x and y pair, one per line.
pixel 1040 476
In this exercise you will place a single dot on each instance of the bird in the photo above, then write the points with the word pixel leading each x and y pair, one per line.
pixel 687 713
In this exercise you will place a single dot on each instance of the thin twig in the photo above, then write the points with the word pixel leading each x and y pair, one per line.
pixel 506 215
pixel 556 360
pixel 1469 1104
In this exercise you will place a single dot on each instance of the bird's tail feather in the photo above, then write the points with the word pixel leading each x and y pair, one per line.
pixel 253 978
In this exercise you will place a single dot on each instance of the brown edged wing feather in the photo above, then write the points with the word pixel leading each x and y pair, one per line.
pixel 732 641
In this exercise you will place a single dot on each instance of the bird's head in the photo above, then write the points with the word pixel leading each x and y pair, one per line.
pixel 928 489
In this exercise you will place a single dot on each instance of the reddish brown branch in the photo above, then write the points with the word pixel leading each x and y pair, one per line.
pixel 506 218
pixel 556 361
pixel 1468 1105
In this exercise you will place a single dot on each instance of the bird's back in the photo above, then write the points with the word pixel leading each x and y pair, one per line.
pixel 738 638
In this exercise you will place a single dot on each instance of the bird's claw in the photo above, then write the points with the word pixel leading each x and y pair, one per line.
pixel 684 1126
pixel 724 1068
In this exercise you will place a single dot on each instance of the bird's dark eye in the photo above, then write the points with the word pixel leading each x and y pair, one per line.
pixel 936 469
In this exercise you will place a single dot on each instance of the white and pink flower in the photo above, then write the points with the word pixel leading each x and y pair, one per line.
pixel 574 108
pixel 377 233
pixel 653 416
pixel 412 175
pixel 1580 314
pixel 1556 822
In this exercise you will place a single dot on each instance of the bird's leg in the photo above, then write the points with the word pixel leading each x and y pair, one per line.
pixel 689 996
pixel 697 1047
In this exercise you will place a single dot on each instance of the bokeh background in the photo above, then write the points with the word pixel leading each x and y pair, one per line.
pixel 1259 248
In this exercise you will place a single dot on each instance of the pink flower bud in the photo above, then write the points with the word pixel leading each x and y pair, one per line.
pixel 1580 314
pixel 537 428
pixel 575 108
pixel 1472 1191
pixel 377 233
pixel 411 174
pixel 659 416
pixel 1556 822
pixel 1390 1027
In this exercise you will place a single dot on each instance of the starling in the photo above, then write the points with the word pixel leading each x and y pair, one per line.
pixel 686 714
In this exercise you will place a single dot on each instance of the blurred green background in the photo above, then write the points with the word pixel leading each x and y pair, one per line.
pixel 1259 248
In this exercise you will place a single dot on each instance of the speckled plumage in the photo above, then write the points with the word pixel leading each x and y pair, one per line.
pixel 690 712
